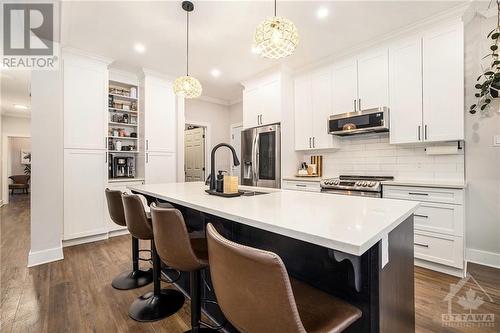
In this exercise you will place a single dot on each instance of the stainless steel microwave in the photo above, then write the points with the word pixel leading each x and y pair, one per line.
pixel 366 121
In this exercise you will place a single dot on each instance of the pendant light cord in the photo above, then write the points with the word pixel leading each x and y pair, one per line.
pixel 187 44
pixel 275 7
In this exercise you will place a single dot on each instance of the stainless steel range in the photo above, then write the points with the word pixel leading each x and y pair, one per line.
pixel 367 186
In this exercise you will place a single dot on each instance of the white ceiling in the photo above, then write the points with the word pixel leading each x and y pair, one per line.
pixel 14 89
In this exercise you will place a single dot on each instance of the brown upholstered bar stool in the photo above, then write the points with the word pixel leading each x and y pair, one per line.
pixel 160 303
pixel 177 250
pixel 256 294
pixel 130 279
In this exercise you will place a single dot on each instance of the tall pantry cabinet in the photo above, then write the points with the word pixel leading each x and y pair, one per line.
pixel 86 151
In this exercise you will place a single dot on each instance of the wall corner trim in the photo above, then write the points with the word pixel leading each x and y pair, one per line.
pixel 45 256
pixel 481 257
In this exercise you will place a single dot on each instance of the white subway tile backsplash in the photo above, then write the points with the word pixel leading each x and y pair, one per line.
pixel 373 155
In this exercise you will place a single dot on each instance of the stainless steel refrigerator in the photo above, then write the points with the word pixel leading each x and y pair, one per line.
pixel 261 156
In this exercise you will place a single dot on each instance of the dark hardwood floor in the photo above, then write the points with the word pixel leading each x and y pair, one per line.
pixel 75 295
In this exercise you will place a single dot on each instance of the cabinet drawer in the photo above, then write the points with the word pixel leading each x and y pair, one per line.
pixel 441 218
pixel 432 194
pixel 446 250
pixel 301 186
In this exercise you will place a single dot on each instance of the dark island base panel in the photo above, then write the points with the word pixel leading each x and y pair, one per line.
pixel 386 296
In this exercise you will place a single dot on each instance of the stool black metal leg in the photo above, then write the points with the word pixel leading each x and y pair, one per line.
pixel 195 286
pixel 135 278
pixel 160 303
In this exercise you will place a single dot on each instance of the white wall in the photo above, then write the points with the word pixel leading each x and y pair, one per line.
pixel 47 167
pixel 373 155
pixel 236 113
pixel 482 159
pixel 16 145
pixel 218 117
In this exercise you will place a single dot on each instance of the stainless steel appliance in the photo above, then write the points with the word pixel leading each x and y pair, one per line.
pixel 366 186
pixel 122 166
pixel 366 121
pixel 261 156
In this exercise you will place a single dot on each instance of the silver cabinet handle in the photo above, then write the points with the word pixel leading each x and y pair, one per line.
pixel 147 157
pixel 258 119
pixel 147 144
pixel 421 245
pixel 310 142
pixel 105 142
pixel 106 158
pixel 314 142
pixel 300 185
pixel 425 132
pixel 419 128
pixel 423 216
pixel 359 104
pixel 354 101
pixel 416 193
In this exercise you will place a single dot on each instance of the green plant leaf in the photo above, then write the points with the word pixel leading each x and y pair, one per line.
pixel 473 111
pixel 473 106
pixel 493 47
pixel 477 95
pixel 489 73
pixel 478 86
pixel 483 107
pixel 487 101
pixel 495 35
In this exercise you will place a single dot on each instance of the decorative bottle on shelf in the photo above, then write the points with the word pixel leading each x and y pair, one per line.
pixel 118 145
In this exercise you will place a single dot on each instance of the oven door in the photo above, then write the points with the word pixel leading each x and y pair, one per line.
pixel 355 193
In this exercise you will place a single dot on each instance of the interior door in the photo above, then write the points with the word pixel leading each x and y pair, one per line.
pixel 321 108
pixel 194 154
pixel 405 100
pixel 160 168
pixel 443 95
pixel 344 87
pixel 303 113
pixel 236 143
pixel 373 80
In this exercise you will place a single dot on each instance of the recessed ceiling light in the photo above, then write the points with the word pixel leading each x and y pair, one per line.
pixel 139 48
pixel 322 12
pixel 215 72
pixel 19 106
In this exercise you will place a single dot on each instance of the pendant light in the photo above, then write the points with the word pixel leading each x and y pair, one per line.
pixel 276 37
pixel 187 86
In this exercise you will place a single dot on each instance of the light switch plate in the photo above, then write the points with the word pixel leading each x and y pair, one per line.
pixel 496 140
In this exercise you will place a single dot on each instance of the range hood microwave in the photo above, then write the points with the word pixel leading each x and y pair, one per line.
pixel 366 121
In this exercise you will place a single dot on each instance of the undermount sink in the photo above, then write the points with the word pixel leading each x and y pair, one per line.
pixel 252 193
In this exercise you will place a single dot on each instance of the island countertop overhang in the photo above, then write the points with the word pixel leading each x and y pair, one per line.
pixel 345 223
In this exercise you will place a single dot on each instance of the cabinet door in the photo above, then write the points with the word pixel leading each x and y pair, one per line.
pixel 405 99
pixel 373 80
pixel 321 88
pixel 251 109
pixel 303 113
pixel 160 116
pixel 84 179
pixel 85 98
pixel 160 168
pixel 344 87
pixel 270 102
pixel 443 95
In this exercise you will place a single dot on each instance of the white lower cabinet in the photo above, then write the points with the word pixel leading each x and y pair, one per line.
pixel 160 167
pixel 307 186
pixel 439 226
pixel 84 182
pixel 117 186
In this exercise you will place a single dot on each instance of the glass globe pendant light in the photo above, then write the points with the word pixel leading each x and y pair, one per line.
pixel 276 37
pixel 187 86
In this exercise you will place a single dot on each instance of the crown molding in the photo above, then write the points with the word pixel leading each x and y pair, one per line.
pixel 236 101
pixel 214 100
pixel 67 50
pixel 146 71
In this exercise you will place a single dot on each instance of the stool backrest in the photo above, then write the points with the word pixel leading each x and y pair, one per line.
pixel 115 206
pixel 252 287
pixel 137 221
pixel 172 239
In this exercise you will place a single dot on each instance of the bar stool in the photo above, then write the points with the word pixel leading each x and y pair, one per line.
pixel 177 250
pixel 160 303
pixel 130 279
pixel 256 294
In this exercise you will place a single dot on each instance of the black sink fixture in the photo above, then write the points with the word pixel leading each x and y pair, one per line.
pixel 236 162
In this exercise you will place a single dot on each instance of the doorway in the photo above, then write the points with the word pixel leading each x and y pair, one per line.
pixel 236 143
pixel 194 152
pixel 16 167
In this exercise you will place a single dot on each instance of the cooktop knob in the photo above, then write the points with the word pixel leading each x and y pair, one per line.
pixel 365 184
pixel 358 183
pixel 336 182
pixel 371 184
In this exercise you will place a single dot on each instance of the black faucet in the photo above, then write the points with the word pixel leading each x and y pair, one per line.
pixel 236 162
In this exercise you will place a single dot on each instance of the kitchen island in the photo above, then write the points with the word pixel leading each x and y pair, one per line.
pixel 356 248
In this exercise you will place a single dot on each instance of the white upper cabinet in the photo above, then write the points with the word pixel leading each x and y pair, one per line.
pixel 344 87
pixel 443 85
pixel 373 80
pixel 262 101
pixel 160 125
pixel 303 113
pixel 85 102
pixel 321 88
pixel 405 102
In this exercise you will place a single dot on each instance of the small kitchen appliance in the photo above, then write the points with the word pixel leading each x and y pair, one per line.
pixel 366 186
pixel 122 166
pixel 367 121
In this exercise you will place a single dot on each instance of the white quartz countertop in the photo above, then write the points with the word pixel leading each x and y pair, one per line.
pixel 428 183
pixel 349 224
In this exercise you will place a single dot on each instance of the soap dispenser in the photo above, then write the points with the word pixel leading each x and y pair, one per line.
pixel 219 183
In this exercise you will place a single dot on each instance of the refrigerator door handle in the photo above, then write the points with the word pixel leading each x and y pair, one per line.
pixel 254 159
pixel 257 159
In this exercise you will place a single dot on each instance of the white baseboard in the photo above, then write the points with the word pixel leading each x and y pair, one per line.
pixel 45 256
pixel 85 239
pixel 458 272
pixel 481 257
pixel 118 232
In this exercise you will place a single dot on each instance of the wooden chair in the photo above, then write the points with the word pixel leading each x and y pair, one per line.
pixel 19 182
